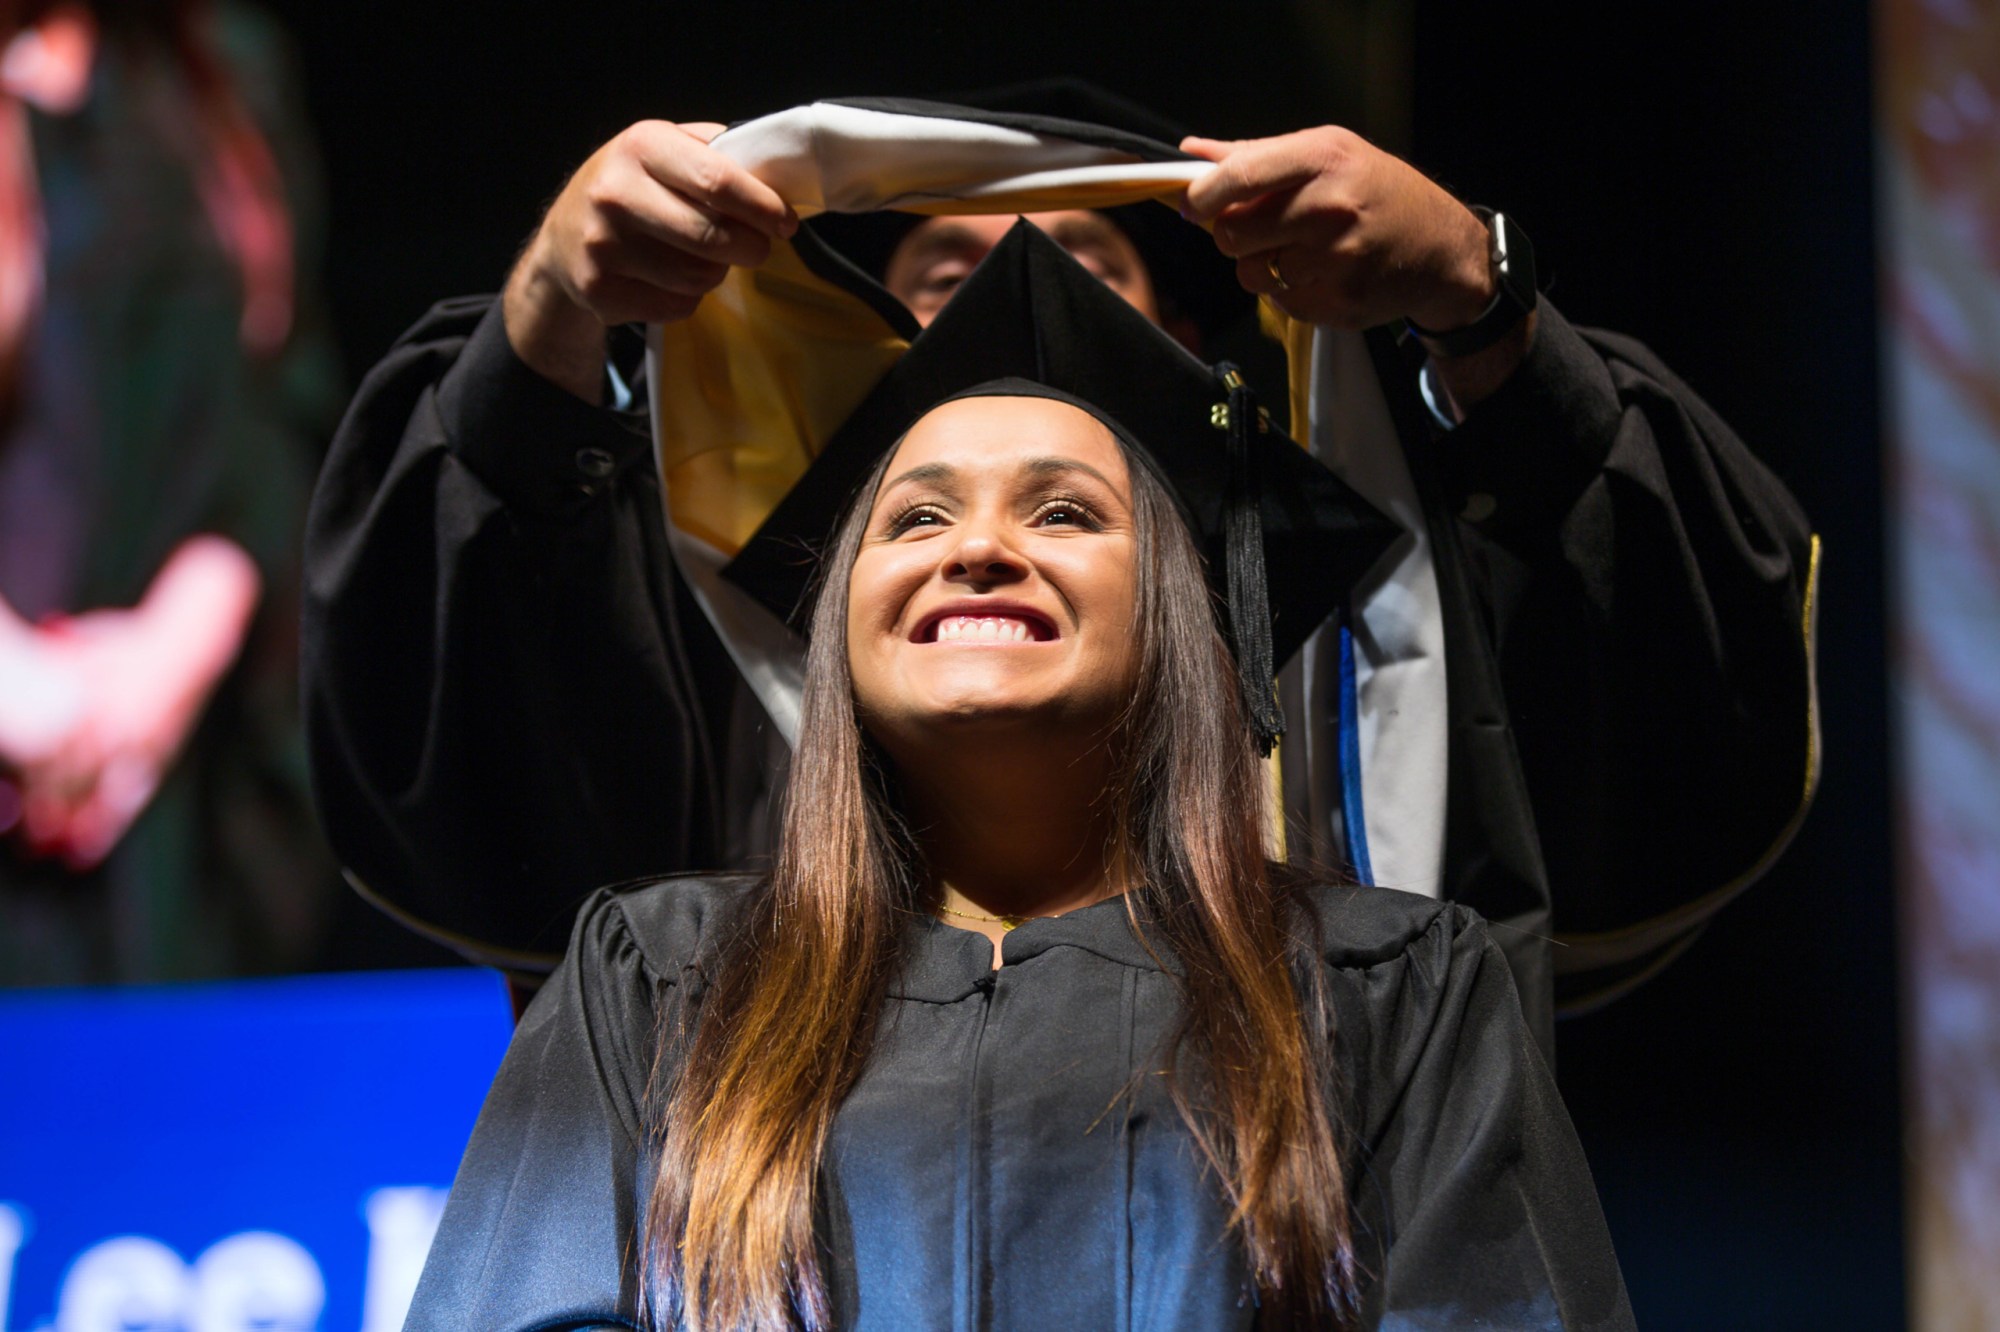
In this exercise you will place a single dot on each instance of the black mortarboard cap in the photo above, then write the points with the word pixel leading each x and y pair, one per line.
pixel 1284 538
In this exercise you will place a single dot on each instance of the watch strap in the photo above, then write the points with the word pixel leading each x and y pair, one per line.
pixel 1512 258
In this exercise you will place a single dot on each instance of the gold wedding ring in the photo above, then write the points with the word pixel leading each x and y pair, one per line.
pixel 1271 267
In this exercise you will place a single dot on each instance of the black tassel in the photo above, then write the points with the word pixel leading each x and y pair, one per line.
pixel 1243 553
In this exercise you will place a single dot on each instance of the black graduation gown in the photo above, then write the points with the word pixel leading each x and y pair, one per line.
pixel 989 1170
pixel 512 699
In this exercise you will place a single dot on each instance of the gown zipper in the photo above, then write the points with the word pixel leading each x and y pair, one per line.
pixel 973 1312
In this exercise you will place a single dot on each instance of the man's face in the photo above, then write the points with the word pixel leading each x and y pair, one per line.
pixel 933 259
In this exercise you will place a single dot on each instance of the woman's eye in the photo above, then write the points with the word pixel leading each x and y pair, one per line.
pixel 1061 513
pixel 912 518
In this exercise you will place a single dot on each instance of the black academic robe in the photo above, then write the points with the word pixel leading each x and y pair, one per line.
pixel 512 698
pixel 1010 1157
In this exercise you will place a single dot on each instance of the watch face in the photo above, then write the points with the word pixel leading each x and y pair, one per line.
pixel 1513 261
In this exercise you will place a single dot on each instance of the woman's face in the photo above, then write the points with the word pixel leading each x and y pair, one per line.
pixel 996 580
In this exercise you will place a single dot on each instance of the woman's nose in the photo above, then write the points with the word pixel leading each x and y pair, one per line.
pixel 980 556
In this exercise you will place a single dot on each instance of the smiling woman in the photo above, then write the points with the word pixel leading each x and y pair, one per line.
pixel 1011 529
pixel 1002 641
pixel 1022 1029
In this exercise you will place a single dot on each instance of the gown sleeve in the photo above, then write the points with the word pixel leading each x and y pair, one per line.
pixel 499 704
pixel 1648 591
pixel 539 1229
pixel 1472 1205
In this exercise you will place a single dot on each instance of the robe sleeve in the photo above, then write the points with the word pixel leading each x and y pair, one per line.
pixel 499 706
pixel 1648 586
pixel 539 1230
pixel 1472 1205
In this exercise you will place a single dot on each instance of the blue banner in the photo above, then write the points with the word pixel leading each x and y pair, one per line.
pixel 260 1154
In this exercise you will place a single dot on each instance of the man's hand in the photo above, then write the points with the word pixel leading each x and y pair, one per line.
pixel 1357 237
pixel 644 229
pixel 1335 231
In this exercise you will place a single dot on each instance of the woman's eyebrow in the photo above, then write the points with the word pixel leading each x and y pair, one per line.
pixel 943 473
pixel 1053 467
pixel 932 471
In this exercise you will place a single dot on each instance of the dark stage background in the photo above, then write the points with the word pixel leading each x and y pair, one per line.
pixel 1697 175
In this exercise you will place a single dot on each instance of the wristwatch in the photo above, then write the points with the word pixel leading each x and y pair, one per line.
pixel 1512 258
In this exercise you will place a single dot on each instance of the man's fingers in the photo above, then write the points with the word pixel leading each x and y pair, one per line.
pixel 666 267
pixel 1314 287
pixel 636 217
pixel 1212 150
pixel 626 300
pixel 1287 217
pixel 1263 274
pixel 644 280
pixel 712 235
pixel 686 165
pixel 653 221
pixel 1249 170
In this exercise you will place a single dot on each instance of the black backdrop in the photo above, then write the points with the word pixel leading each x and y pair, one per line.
pixel 1697 175
pixel 1700 176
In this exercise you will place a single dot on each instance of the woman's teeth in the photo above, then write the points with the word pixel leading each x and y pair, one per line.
pixel 983 629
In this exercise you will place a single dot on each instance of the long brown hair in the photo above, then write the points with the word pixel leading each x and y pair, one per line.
pixel 787 1025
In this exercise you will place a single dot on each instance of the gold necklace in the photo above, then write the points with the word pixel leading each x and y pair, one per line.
pixel 1006 923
